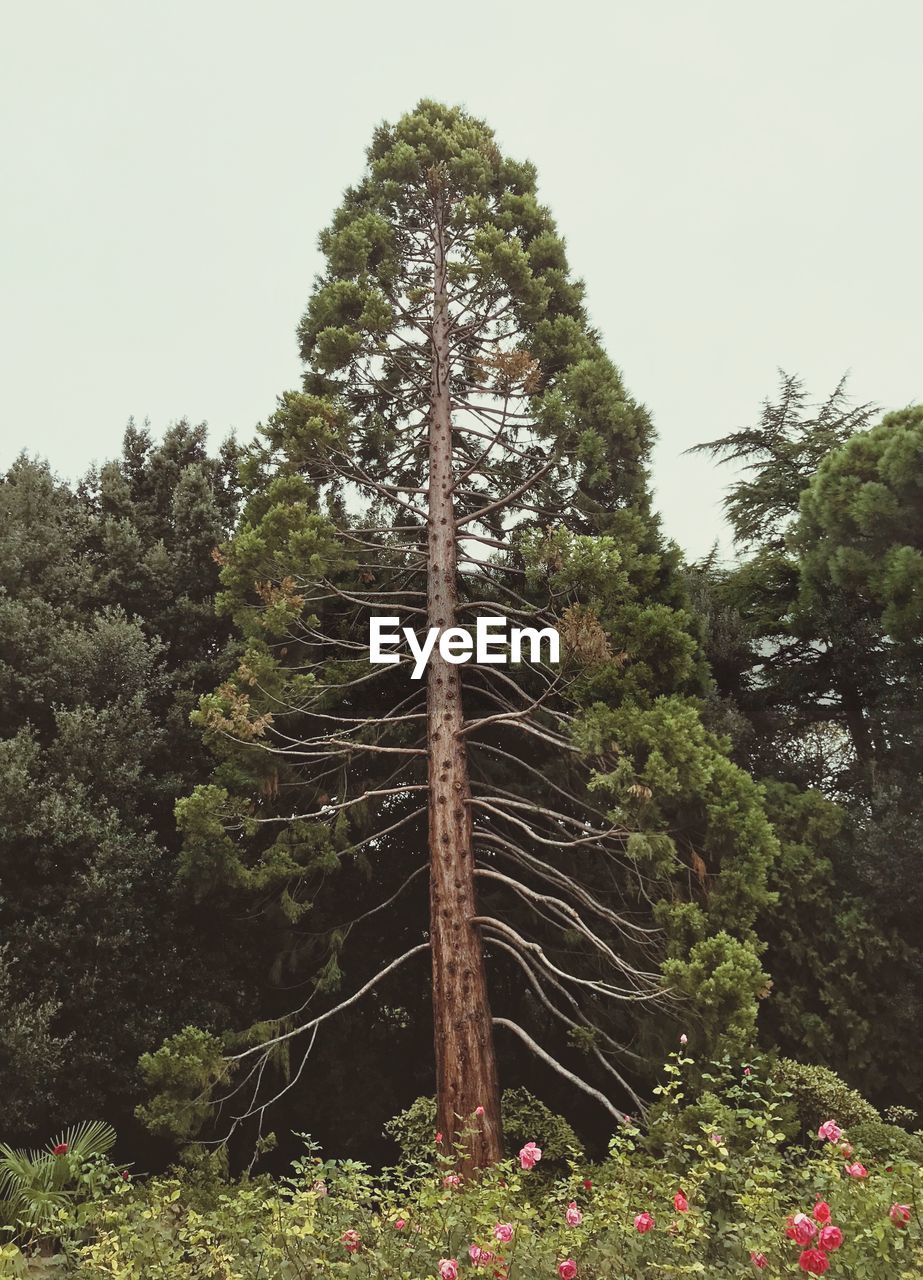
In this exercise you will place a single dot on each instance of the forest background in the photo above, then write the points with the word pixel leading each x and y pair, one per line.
pixel 791 654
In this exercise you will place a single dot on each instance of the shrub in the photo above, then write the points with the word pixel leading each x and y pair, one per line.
pixel 701 1205
pixel 625 1217
pixel 179 1078
pixel 881 1141
pixel 740 1101
pixel 817 1093
pixel 414 1129
pixel 905 1117
pixel 37 1186
pixel 525 1119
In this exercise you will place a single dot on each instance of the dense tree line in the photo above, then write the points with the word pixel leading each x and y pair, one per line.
pixel 108 637
pixel 815 640
pixel 218 823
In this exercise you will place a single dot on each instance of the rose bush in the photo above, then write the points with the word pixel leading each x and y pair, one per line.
pixel 748 1202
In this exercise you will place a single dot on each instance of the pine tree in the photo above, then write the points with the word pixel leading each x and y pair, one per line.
pixel 463 447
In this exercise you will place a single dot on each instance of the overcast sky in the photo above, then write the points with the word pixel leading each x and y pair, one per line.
pixel 738 183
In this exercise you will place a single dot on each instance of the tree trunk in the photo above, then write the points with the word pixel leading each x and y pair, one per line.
pixel 857 727
pixel 466 1068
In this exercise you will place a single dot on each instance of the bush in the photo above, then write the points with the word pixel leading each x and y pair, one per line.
pixel 881 1141
pixel 36 1187
pixel 704 1206
pixel 525 1119
pixel 414 1129
pixel 817 1094
pixel 739 1101
pixel 626 1220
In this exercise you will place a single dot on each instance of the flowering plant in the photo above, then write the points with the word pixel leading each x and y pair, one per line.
pixel 667 1201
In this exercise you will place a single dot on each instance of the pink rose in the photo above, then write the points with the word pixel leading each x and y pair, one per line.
pixel 830 1238
pixel 438 1137
pixel 448 1268
pixel 451 1180
pixel 680 1203
pixel 857 1170
pixel 830 1131
pixel 479 1257
pixel 845 1150
pixel 900 1214
pixel 814 1261
pixel 759 1260
pixel 572 1215
pixel 530 1155
pixel 503 1232
pixel 746 1071
pixel 822 1212
pixel 801 1229
pixel 351 1240
pixel 567 1269
pixel 643 1222
pixel 684 1039
pixel 478 1111
pixel 716 1139
pixel 400 1224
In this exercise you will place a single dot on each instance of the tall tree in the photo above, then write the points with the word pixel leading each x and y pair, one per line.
pixel 815 639
pixel 462 448
pixel 107 638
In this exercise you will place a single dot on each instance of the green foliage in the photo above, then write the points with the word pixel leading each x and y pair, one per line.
pixel 713 1198
pixel 721 978
pixel 107 637
pixel 780 455
pixel 730 1105
pixel 525 1119
pixel 31 1055
pixel 883 1141
pixel 179 1079
pixel 414 1129
pixel 817 1094
pixel 861 528
pixel 815 641
pixel 838 974
pixel 36 1186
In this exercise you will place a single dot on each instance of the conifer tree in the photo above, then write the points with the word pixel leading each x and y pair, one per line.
pixel 462 447
pixel 815 640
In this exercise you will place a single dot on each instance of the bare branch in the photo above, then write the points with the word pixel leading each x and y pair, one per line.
pixel 546 1057
pixel 330 1013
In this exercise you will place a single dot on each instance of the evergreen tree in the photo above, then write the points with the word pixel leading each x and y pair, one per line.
pixel 462 447
pixel 108 637
pixel 815 641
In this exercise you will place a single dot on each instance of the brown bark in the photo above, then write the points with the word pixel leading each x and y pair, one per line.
pixel 466 1068
pixel 856 724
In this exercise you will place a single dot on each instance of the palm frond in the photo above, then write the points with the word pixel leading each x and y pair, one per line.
pixel 89 1138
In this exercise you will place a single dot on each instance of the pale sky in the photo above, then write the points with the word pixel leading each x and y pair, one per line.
pixel 738 183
